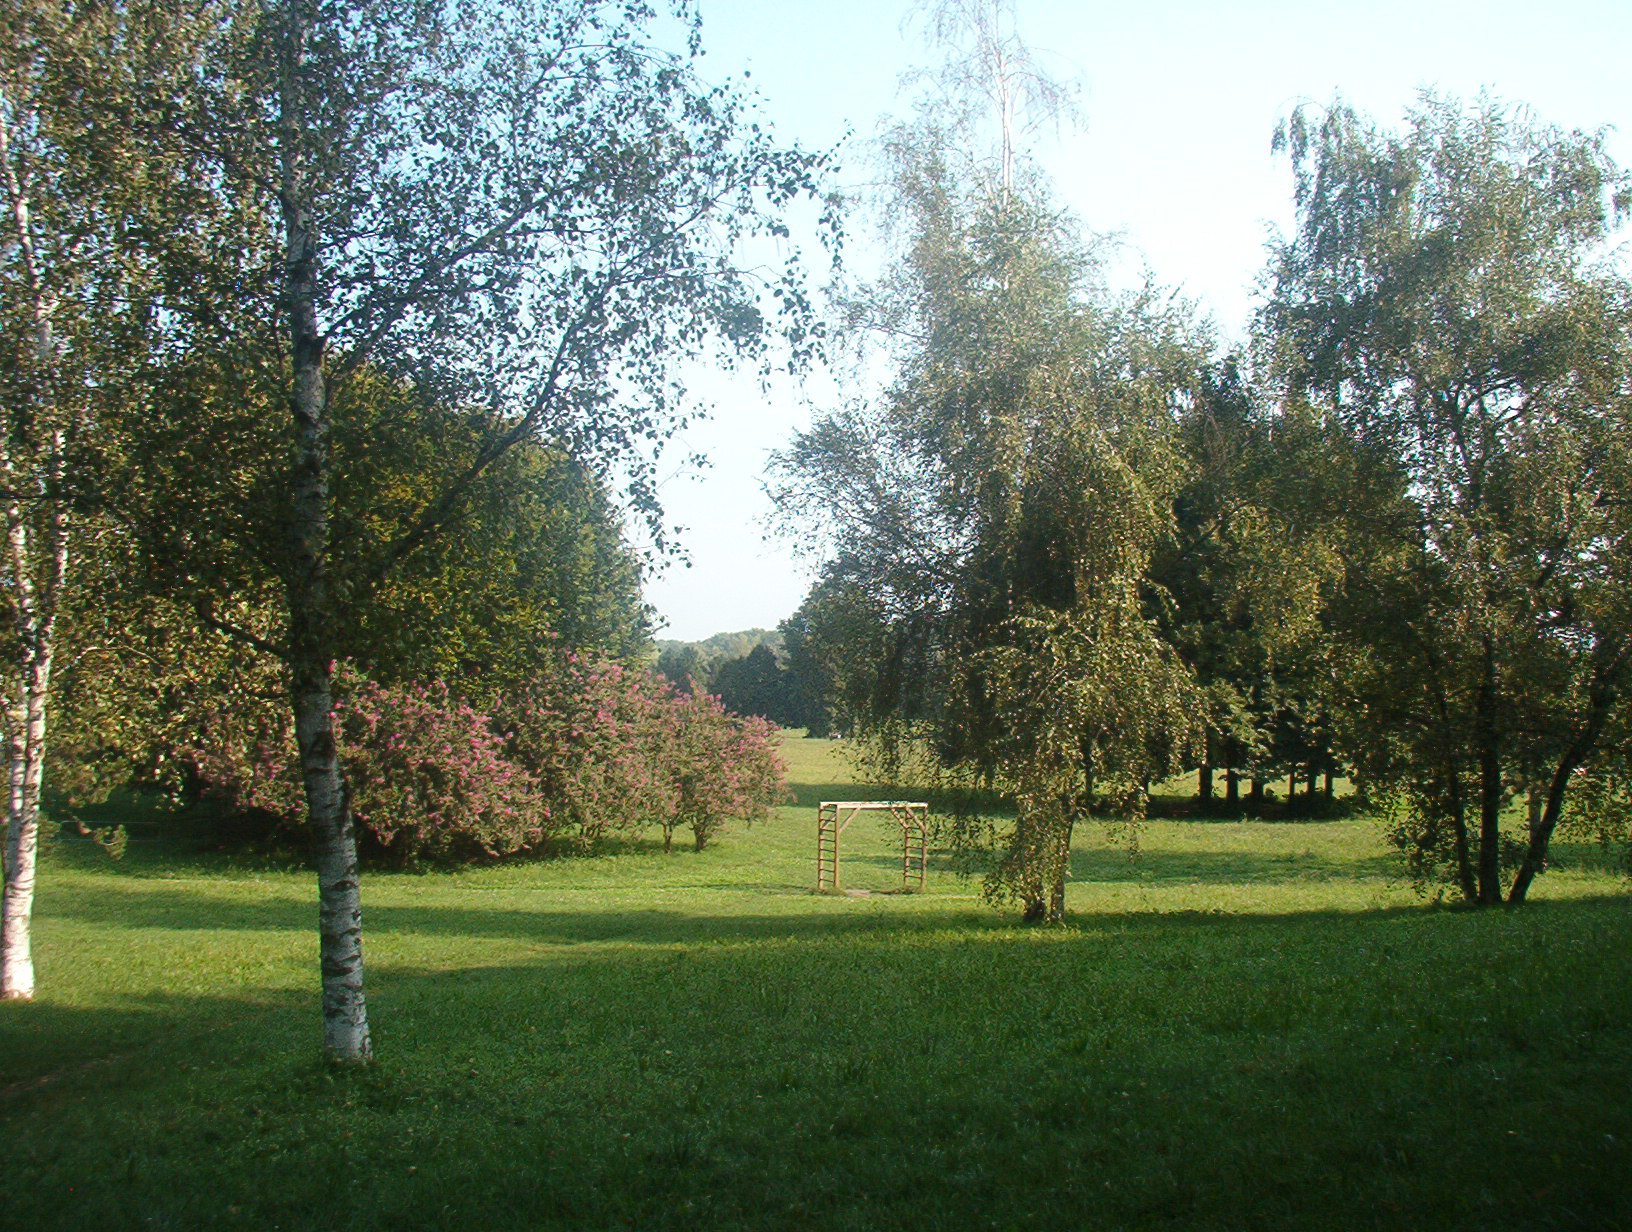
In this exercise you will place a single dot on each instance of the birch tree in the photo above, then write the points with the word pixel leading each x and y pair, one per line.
pixel 994 512
pixel 994 74
pixel 72 336
pixel 525 210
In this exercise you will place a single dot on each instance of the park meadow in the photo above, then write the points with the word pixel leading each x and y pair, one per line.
pixel 1247 1024
pixel 1266 680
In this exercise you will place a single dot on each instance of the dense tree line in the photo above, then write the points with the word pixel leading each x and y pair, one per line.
pixel 1073 546
pixel 772 674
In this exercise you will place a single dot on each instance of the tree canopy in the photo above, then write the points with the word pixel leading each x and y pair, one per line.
pixel 1446 308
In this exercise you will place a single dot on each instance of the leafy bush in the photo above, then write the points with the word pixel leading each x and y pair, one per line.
pixel 592 736
pixel 427 775
pixel 590 750
pixel 719 766
pixel 429 779
pixel 616 749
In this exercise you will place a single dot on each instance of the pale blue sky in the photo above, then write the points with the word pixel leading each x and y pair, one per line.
pixel 1180 99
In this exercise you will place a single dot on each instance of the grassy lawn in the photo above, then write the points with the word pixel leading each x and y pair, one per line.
pixel 1252 1025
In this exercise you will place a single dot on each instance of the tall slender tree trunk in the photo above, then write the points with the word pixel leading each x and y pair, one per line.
pixel 35 614
pixel 31 460
pixel 1490 783
pixel 22 853
pixel 340 922
pixel 1033 857
pixel 22 845
pixel 1541 831
pixel 1062 872
pixel 1204 782
pixel 1232 786
pixel 1460 848
pixel 1033 906
pixel 27 754
pixel 312 638
pixel 1455 804
pixel 1033 884
pixel 1056 900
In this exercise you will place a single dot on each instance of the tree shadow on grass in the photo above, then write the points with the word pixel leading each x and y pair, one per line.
pixel 1587 855
pixel 1280 808
pixel 189 906
pixel 1115 866
pixel 42 1037
pixel 1160 1071
pixel 51 1051
pixel 160 855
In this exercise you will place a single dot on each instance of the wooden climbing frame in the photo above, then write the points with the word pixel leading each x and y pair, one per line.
pixel 832 816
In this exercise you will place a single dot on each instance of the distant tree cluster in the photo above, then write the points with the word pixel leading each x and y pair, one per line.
pixel 692 665
pixel 776 677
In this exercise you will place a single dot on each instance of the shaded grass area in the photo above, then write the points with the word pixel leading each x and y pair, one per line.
pixel 1250 1025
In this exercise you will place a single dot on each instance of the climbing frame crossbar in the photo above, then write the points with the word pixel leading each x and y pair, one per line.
pixel 833 816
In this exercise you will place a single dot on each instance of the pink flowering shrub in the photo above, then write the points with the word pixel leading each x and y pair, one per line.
pixel 719 767
pixel 617 750
pixel 428 777
pixel 592 736
pixel 590 751
pixel 244 753
pixel 426 773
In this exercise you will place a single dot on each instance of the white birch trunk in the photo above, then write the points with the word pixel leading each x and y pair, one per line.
pixel 22 851
pixel 340 921
pixel 311 640
pixel 26 753
pixel 35 613
pixel 36 567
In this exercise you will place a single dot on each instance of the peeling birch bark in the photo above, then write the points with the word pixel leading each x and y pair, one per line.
pixel 26 733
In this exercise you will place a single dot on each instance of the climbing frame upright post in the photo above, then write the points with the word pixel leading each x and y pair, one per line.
pixel 833 816
pixel 914 846
pixel 827 847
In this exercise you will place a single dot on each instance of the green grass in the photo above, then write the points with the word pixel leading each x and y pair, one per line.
pixel 1251 1025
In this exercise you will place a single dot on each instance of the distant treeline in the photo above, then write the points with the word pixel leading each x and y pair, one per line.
pixel 765 672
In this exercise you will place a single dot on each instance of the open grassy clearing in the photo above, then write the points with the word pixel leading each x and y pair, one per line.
pixel 1253 1025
